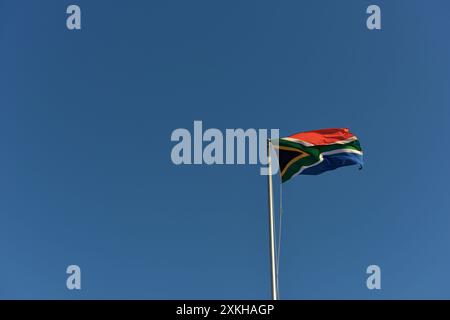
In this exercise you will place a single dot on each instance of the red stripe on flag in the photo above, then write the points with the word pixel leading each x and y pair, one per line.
pixel 323 136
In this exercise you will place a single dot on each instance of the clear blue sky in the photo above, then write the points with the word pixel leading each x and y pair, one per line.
pixel 86 174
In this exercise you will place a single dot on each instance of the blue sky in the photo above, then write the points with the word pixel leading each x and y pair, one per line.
pixel 87 179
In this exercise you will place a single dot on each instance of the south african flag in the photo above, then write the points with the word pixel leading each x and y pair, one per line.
pixel 314 152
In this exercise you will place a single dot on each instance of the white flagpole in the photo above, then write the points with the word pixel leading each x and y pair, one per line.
pixel 272 225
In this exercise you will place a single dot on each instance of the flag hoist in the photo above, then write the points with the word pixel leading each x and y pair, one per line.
pixel 309 153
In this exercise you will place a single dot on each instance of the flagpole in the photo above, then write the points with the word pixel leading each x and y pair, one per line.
pixel 271 225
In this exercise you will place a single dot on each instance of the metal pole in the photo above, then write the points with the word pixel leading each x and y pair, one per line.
pixel 272 226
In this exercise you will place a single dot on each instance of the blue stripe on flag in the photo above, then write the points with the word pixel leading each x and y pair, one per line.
pixel 333 161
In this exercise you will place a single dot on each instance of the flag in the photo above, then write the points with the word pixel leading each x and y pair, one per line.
pixel 314 152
